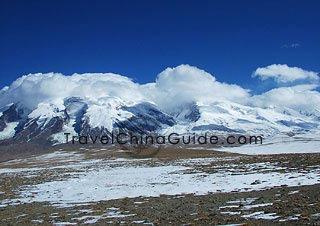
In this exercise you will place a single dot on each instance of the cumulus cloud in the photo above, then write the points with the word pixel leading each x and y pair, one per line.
pixel 173 88
pixel 185 83
pixel 282 73
pixel 299 98
pixel 38 88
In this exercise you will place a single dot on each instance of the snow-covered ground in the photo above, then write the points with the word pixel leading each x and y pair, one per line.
pixel 117 183
pixel 108 179
pixel 304 143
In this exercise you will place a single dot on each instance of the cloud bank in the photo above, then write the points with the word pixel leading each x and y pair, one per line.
pixel 172 88
pixel 301 98
pixel 184 83
pixel 37 88
pixel 282 73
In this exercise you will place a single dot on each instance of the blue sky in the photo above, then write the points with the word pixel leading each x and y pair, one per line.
pixel 229 39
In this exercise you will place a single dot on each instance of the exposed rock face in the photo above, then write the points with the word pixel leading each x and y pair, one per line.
pixel 9 115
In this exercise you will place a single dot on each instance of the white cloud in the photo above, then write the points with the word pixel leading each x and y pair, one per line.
pixel 172 88
pixel 38 88
pixel 282 73
pixel 300 98
pixel 182 84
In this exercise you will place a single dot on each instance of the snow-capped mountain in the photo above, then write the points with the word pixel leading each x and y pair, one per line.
pixel 47 123
pixel 42 107
pixel 235 118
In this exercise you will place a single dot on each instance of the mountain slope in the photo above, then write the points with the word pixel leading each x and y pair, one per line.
pixel 48 122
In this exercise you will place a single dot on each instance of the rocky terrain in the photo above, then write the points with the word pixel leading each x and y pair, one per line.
pixel 107 186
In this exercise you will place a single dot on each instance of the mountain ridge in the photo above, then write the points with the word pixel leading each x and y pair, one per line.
pixel 47 123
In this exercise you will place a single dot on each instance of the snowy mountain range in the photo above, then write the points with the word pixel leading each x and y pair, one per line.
pixel 42 107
